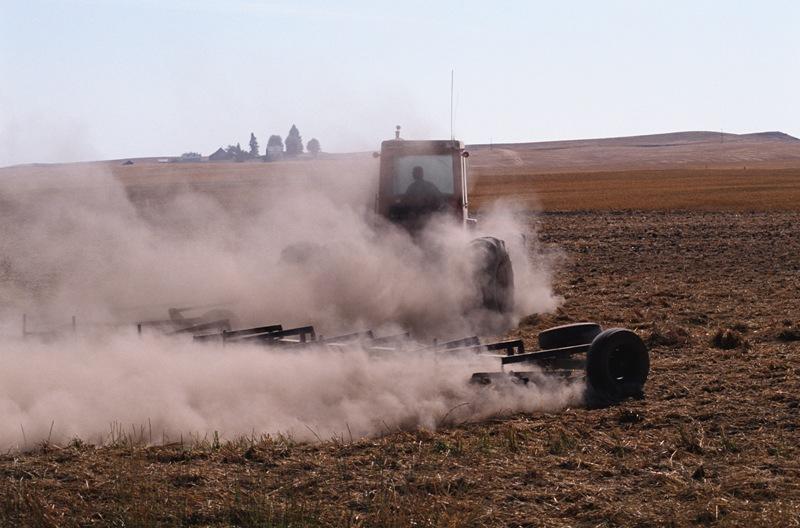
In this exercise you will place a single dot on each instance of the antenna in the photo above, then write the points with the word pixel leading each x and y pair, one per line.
pixel 452 76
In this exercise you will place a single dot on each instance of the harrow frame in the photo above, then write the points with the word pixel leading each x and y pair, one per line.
pixel 615 362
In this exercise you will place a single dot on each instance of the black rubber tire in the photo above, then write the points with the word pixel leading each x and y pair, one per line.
pixel 568 335
pixel 617 364
pixel 494 274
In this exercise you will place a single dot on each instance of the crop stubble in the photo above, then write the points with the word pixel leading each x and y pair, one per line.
pixel 713 189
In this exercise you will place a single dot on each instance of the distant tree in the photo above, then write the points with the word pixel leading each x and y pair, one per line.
pixel 274 148
pixel 253 145
pixel 294 143
pixel 313 146
pixel 236 152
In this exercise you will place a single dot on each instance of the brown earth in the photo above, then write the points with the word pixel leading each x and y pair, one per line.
pixel 715 442
pixel 668 189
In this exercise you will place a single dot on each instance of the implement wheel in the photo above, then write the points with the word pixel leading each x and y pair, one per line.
pixel 568 335
pixel 617 364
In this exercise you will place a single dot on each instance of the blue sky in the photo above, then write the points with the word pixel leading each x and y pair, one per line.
pixel 93 79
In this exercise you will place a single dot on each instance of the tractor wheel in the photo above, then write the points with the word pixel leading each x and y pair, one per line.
pixel 568 335
pixel 617 365
pixel 494 274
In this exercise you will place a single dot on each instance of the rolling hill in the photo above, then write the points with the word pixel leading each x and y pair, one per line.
pixel 656 151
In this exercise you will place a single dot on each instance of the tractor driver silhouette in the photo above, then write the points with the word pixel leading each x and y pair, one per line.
pixel 422 194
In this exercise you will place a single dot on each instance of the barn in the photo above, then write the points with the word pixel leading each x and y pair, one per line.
pixel 220 155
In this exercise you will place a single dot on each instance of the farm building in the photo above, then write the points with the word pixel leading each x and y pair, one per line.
pixel 220 155
pixel 274 152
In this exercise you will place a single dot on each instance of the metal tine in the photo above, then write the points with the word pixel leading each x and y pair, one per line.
pixel 513 348
pixel 396 338
pixel 347 339
pixel 546 355
pixel 305 335
pixel 485 378
pixel 270 334
pixel 170 323
pixel 458 343
pixel 390 343
pixel 224 324
pixel 470 341
pixel 204 338
pixel 250 332
pixel 524 377
pixel 226 335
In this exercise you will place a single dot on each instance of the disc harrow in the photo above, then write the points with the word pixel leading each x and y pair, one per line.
pixel 614 362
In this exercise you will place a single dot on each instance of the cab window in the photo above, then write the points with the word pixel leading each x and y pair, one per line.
pixel 437 169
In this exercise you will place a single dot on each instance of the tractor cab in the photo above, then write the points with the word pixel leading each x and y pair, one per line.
pixel 419 179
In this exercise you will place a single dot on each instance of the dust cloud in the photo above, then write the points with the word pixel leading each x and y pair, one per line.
pixel 156 389
pixel 297 248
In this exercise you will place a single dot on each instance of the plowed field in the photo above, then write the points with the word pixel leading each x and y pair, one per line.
pixel 715 441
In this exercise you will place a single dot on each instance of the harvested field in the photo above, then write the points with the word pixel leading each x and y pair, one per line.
pixel 682 171
pixel 713 443
pixel 742 189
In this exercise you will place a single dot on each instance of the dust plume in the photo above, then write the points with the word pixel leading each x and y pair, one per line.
pixel 296 248
pixel 159 389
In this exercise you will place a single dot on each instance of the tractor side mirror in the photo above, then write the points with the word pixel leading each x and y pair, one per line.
pixel 465 154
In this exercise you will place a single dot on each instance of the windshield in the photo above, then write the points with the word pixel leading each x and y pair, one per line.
pixel 436 169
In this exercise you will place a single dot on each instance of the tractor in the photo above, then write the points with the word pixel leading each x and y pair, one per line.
pixel 423 180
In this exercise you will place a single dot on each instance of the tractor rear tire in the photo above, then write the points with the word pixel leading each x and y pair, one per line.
pixel 568 335
pixel 617 365
pixel 494 274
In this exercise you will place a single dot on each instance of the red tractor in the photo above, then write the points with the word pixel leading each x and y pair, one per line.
pixel 422 180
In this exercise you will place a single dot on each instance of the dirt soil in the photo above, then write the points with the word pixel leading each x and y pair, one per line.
pixel 715 442
pixel 716 189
